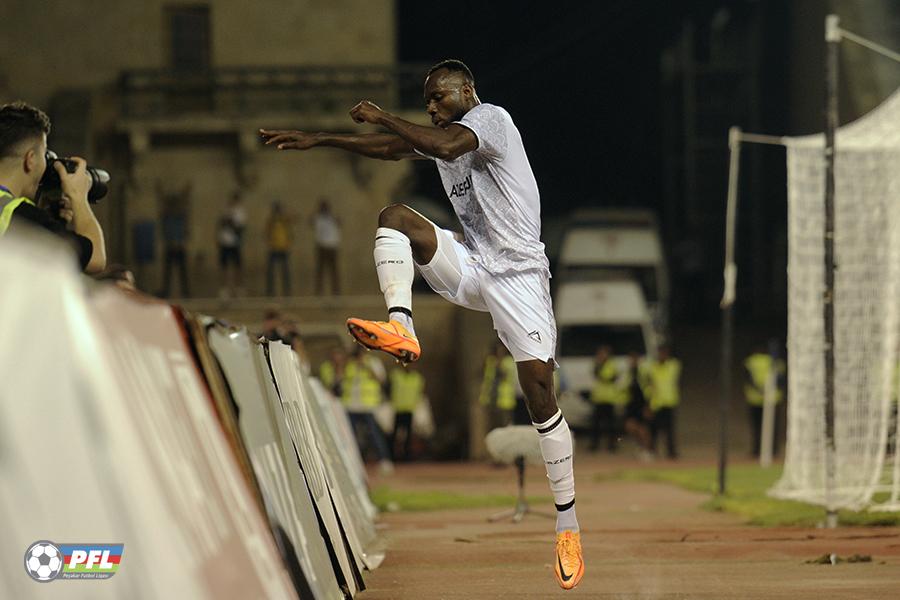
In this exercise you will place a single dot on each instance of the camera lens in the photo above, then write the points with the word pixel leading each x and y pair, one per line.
pixel 50 180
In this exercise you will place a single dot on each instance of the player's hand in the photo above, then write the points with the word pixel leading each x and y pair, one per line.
pixel 75 186
pixel 284 139
pixel 366 112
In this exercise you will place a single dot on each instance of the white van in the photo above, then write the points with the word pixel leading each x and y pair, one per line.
pixel 609 309
pixel 624 241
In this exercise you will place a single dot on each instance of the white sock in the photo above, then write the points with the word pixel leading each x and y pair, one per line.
pixel 556 448
pixel 394 266
pixel 566 519
pixel 404 319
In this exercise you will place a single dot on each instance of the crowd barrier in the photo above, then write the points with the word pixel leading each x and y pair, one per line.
pixel 224 470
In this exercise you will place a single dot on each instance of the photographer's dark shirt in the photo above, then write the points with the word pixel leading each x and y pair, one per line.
pixel 28 213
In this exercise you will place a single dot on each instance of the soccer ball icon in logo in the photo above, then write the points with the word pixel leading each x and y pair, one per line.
pixel 43 561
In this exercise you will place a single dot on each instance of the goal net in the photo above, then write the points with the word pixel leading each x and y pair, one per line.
pixel 866 316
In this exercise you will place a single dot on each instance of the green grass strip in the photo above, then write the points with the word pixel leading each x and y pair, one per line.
pixel 746 496
pixel 392 500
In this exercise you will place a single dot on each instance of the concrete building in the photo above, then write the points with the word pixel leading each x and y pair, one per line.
pixel 174 93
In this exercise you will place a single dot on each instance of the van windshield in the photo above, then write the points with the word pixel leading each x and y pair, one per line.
pixel 645 276
pixel 583 340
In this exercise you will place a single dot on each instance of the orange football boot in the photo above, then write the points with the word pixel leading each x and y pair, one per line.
pixel 569 562
pixel 388 336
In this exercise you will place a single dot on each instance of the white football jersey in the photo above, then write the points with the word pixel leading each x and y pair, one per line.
pixel 495 195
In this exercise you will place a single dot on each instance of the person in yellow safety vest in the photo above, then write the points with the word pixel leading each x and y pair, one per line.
pixel 498 386
pixel 279 238
pixel 637 414
pixel 663 383
pixel 406 387
pixel 488 380
pixel 607 394
pixel 331 371
pixel 758 367
pixel 361 394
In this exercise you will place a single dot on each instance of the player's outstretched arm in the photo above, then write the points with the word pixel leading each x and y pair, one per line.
pixel 384 146
pixel 444 143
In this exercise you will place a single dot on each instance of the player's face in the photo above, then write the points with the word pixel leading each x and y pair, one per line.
pixel 447 97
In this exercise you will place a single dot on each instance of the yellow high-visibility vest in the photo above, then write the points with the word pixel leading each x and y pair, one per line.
pixel 663 383
pixel 8 205
pixel 487 380
pixel 607 389
pixel 760 367
pixel 327 374
pixel 506 390
pixel 360 387
pixel 505 387
pixel 406 389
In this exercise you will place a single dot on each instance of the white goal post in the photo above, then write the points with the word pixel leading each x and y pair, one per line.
pixel 842 442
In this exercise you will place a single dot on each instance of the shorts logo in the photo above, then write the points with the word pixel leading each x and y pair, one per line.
pixel 535 335
pixel 46 560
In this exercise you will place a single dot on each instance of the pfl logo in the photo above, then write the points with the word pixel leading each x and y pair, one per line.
pixel 46 560
pixel 43 561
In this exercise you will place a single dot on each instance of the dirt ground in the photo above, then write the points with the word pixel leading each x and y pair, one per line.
pixel 641 541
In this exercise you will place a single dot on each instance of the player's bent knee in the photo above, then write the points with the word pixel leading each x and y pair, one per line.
pixel 395 216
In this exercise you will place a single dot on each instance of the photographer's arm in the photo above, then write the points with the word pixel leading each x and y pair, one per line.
pixel 75 187
pixel 383 146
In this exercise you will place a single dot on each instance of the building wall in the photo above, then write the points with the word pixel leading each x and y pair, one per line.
pixel 56 44
pixel 357 189
pixel 84 46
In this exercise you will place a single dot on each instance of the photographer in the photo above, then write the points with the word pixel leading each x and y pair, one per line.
pixel 23 160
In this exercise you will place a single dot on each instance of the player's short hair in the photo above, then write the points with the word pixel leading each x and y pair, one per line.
pixel 453 66
pixel 20 122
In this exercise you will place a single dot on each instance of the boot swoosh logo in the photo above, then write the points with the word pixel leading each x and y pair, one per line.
pixel 562 572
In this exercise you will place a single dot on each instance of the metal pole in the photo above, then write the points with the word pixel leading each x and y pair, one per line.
pixel 767 435
pixel 832 38
pixel 728 296
pixel 727 335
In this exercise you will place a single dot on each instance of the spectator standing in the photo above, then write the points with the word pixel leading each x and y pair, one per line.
pixel 759 367
pixel 361 394
pixel 637 414
pixel 229 235
pixel 498 386
pixel 328 238
pixel 174 218
pixel 406 387
pixel 331 371
pixel 279 238
pixel 663 381
pixel 608 393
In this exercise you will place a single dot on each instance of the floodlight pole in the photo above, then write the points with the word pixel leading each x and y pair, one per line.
pixel 832 39
pixel 728 296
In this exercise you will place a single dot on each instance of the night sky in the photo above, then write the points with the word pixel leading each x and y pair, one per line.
pixel 582 84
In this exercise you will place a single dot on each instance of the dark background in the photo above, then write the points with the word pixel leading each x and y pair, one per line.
pixel 585 85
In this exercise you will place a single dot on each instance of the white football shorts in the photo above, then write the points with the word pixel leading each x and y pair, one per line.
pixel 519 302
